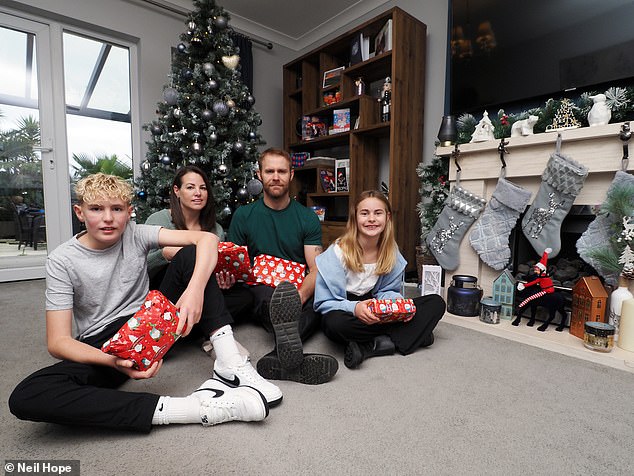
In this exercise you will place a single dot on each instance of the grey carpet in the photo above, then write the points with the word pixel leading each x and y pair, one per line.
pixel 470 404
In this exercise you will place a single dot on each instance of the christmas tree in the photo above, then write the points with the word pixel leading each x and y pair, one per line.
pixel 434 188
pixel 206 119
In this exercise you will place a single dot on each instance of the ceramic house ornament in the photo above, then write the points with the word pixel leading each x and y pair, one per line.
pixel 484 130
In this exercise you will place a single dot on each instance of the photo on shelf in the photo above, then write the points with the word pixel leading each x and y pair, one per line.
pixel 383 40
pixel 332 77
pixel 313 127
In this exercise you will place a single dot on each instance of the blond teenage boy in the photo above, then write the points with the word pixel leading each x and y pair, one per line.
pixel 99 279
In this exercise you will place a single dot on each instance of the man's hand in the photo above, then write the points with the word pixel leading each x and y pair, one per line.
pixel 363 313
pixel 127 367
pixel 225 279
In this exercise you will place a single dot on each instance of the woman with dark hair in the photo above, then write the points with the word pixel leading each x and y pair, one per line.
pixel 191 208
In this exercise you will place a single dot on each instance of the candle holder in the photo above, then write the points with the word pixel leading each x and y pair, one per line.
pixel 448 133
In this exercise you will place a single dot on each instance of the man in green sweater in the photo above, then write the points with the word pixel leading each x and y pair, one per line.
pixel 279 226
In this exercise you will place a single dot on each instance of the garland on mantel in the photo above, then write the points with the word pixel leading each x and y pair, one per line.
pixel 619 99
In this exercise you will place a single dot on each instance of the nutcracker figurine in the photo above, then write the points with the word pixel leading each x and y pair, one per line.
pixel 386 100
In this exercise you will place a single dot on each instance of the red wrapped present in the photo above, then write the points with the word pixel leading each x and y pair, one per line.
pixel 391 310
pixel 147 335
pixel 234 259
pixel 271 270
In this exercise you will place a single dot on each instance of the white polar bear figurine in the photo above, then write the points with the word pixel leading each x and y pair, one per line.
pixel 524 127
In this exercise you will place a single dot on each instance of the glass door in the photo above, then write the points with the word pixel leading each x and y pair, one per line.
pixel 30 219
pixel 65 112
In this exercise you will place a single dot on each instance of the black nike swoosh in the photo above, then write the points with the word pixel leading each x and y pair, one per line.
pixel 235 381
pixel 217 393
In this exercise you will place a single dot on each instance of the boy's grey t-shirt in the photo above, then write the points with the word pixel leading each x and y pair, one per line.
pixel 100 286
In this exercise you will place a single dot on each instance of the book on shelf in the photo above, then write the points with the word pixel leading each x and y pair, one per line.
pixel 327 178
pixel 383 40
pixel 340 120
pixel 359 49
pixel 356 46
pixel 342 174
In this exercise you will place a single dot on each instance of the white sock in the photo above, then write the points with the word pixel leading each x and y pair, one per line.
pixel 227 352
pixel 177 410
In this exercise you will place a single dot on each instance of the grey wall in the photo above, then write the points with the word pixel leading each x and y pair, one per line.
pixel 156 31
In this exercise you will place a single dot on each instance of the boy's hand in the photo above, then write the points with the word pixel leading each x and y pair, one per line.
pixel 190 308
pixel 363 313
pixel 225 279
pixel 127 367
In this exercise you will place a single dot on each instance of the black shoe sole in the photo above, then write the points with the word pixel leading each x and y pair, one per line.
pixel 314 369
pixel 352 356
pixel 285 308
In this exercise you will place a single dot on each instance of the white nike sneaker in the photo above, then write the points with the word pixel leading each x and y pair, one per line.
pixel 220 403
pixel 245 374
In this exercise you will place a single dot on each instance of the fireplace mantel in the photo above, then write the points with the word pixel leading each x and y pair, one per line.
pixel 598 148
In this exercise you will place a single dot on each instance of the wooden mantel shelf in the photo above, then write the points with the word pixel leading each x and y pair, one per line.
pixel 598 148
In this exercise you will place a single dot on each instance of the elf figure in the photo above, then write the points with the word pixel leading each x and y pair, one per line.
pixel 543 281
pixel 545 297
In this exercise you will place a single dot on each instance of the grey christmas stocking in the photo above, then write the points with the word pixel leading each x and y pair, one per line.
pixel 598 232
pixel 562 180
pixel 490 235
pixel 460 211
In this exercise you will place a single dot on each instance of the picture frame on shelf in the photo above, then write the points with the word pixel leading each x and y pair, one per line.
pixel 383 40
pixel 332 77
pixel 340 120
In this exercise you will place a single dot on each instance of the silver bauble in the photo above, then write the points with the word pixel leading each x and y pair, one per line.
pixel 166 160
pixel 254 187
pixel 212 85
pixel 222 170
pixel 220 22
pixel 220 108
pixel 238 147
pixel 226 211
pixel 145 165
pixel 212 138
pixel 176 112
pixel 197 148
pixel 242 194
pixel 207 114
pixel 170 95
pixel 208 68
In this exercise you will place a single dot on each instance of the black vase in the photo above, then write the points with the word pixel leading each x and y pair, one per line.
pixel 448 133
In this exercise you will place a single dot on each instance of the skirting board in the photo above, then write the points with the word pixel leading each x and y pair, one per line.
pixel 560 342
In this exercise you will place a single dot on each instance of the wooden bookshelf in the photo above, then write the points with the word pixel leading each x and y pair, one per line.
pixel 395 146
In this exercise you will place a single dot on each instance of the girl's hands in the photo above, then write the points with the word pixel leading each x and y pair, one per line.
pixel 363 313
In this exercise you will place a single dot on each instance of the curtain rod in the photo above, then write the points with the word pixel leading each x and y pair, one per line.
pixel 183 12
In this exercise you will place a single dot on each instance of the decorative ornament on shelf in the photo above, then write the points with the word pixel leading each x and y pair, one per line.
pixel 448 133
pixel 564 117
pixel 600 114
pixel 484 130
pixel 524 127
pixel 231 62
pixel 386 100
pixel 359 86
